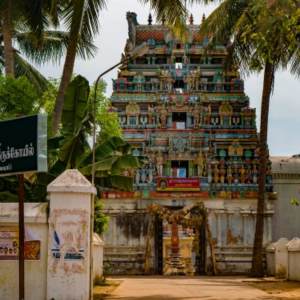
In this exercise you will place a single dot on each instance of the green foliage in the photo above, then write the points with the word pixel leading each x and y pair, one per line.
pixel 100 219
pixel 72 148
pixel 272 31
pixel 48 97
pixel 75 122
pixel 107 120
pixel 257 32
pixel 295 202
pixel 18 97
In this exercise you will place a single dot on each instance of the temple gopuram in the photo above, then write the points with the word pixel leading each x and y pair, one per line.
pixel 192 209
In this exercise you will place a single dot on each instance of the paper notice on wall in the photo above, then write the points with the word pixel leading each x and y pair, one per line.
pixel 9 244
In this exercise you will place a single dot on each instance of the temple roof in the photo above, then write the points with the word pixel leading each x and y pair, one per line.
pixel 286 164
pixel 158 32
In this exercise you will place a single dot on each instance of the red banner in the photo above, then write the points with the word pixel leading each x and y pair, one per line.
pixel 178 184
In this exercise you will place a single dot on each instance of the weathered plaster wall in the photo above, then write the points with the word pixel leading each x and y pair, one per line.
pixel 97 256
pixel 125 242
pixel 36 270
pixel 232 225
pixel 286 221
pixel 286 182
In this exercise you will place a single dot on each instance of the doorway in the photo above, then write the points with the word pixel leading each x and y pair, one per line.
pixel 179 249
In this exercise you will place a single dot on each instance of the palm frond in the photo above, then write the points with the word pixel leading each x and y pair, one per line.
pixel 53 46
pixel 89 22
pixel 23 68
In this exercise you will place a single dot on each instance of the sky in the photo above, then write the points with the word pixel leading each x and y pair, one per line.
pixel 284 120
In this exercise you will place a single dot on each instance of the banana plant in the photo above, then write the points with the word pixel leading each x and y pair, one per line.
pixel 72 148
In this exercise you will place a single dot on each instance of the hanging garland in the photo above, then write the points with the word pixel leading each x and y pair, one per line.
pixel 191 216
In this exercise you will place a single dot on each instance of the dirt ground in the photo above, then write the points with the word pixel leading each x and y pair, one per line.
pixel 105 289
pixel 196 288
pixel 280 289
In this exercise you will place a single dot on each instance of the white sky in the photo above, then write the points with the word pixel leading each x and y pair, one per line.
pixel 284 122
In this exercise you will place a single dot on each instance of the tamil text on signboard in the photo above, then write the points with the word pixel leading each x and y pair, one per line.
pixel 23 145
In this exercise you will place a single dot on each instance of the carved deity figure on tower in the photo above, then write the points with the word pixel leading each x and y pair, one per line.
pixel 235 149
pixel 132 108
pixel 216 174
pixel 200 162
pixel 225 112
pixel 163 112
pixel 242 174
pixel 229 175
pixel 196 115
pixel 159 163
pixel 151 113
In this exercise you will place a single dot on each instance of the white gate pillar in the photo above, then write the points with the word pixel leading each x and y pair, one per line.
pixel 68 274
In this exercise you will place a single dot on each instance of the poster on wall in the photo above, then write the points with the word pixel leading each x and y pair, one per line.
pixel 178 184
pixel 9 245
pixel 69 240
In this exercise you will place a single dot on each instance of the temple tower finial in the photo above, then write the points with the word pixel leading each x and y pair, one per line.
pixel 191 19
pixel 150 19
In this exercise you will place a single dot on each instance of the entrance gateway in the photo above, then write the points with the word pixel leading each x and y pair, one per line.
pixel 190 117
pixel 180 242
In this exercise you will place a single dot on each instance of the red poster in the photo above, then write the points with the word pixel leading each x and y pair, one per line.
pixel 178 184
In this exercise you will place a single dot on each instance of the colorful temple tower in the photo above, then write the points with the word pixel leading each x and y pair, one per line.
pixel 179 107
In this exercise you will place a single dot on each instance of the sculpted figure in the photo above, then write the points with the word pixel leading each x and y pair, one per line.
pixel 163 117
pixel 137 176
pixel 201 164
pixel 254 174
pixel 196 116
pixel 222 173
pixel 229 175
pixel 242 175
pixel 159 163
pixel 216 174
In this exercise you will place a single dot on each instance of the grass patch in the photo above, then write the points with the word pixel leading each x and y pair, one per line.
pixel 104 288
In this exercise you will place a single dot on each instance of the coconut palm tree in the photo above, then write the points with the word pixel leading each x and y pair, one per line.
pixel 7 32
pixel 262 35
pixel 24 34
pixel 81 19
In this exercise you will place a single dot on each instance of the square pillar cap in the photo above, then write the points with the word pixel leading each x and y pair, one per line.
pixel 294 244
pixel 270 247
pixel 97 240
pixel 281 244
pixel 71 181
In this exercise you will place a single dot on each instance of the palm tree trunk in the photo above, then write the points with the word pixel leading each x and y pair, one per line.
pixel 7 39
pixel 69 63
pixel 257 259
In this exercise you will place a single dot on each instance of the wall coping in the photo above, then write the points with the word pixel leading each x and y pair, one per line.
pixel 33 212
pixel 97 240
pixel 294 244
pixel 281 244
pixel 71 181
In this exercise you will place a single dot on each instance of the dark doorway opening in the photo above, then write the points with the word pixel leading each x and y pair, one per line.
pixel 180 168
pixel 179 120
pixel 158 245
pixel 198 256
pixel 201 255
pixel 179 84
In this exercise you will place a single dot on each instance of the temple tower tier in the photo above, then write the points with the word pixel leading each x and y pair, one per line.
pixel 182 109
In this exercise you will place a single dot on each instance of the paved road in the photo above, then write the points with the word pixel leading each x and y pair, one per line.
pixel 192 288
